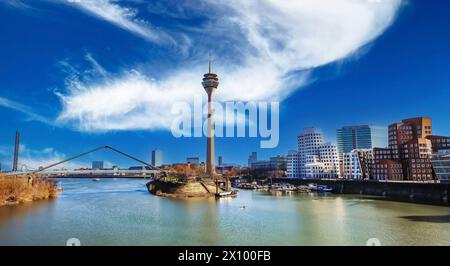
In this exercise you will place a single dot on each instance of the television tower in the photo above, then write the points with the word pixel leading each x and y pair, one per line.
pixel 210 84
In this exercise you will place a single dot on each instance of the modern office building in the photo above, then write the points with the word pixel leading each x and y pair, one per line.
pixel 252 158
pixel 220 161
pixel 193 160
pixel 357 164
pixel 360 137
pixel 439 143
pixel 292 164
pixel 274 163
pixel 97 165
pixel 157 158
pixel 441 165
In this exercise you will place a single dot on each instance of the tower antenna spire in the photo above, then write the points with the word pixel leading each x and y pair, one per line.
pixel 210 62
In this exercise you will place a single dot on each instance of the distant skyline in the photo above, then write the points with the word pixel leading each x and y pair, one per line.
pixel 74 76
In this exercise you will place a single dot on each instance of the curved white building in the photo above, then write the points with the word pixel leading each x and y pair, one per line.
pixel 314 159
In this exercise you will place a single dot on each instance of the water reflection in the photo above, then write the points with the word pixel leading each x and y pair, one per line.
pixel 430 219
pixel 122 212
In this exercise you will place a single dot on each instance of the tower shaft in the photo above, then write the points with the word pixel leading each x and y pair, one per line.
pixel 210 164
pixel 210 84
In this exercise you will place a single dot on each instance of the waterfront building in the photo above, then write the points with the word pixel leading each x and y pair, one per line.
pixel 441 165
pixel 360 137
pixel 193 160
pixel 408 139
pixel 417 157
pixel 314 158
pixel 328 155
pixel 439 143
pixel 309 142
pixel 156 158
pixel 357 164
pixel 408 129
pixel 97 165
pixel 274 163
pixel 292 164
pixel 408 146
pixel 314 169
pixel 386 165
pixel 220 161
pixel 252 158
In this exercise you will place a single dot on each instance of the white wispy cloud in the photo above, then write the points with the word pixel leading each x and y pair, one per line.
pixel 30 114
pixel 264 50
pixel 123 17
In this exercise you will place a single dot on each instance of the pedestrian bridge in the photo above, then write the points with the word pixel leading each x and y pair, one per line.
pixel 147 171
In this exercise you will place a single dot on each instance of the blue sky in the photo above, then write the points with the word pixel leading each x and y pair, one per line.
pixel 80 74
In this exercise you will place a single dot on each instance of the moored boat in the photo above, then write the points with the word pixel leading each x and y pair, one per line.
pixel 226 194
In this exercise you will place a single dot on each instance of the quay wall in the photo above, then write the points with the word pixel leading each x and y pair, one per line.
pixel 425 193
pixel 186 189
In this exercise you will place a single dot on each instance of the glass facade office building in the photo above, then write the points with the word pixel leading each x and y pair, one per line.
pixel 360 137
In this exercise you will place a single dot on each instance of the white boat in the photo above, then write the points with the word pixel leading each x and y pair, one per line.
pixel 226 193
pixel 322 189
pixel 303 189
pixel 288 188
pixel 96 179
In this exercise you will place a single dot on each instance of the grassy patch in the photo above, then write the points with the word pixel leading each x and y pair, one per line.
pixel 22 189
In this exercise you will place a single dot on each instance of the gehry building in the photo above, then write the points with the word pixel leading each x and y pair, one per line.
pixel 357 164
pixel 314 159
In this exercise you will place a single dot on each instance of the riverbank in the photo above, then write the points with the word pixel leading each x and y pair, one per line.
pixel 15 190
pixel 122 212
pixel 423 193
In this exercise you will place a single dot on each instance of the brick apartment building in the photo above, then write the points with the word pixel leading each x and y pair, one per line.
pixel 408 157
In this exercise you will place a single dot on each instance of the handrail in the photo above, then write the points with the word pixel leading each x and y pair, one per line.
pixel 91 151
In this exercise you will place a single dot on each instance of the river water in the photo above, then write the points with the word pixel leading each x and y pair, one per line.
pixel 122 212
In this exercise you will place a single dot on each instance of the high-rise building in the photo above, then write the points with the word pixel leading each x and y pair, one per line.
pixel 357 164
pixel 97 165
pixel 220 161
pixel 157 158
pixel 360 137
pixel 252 158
